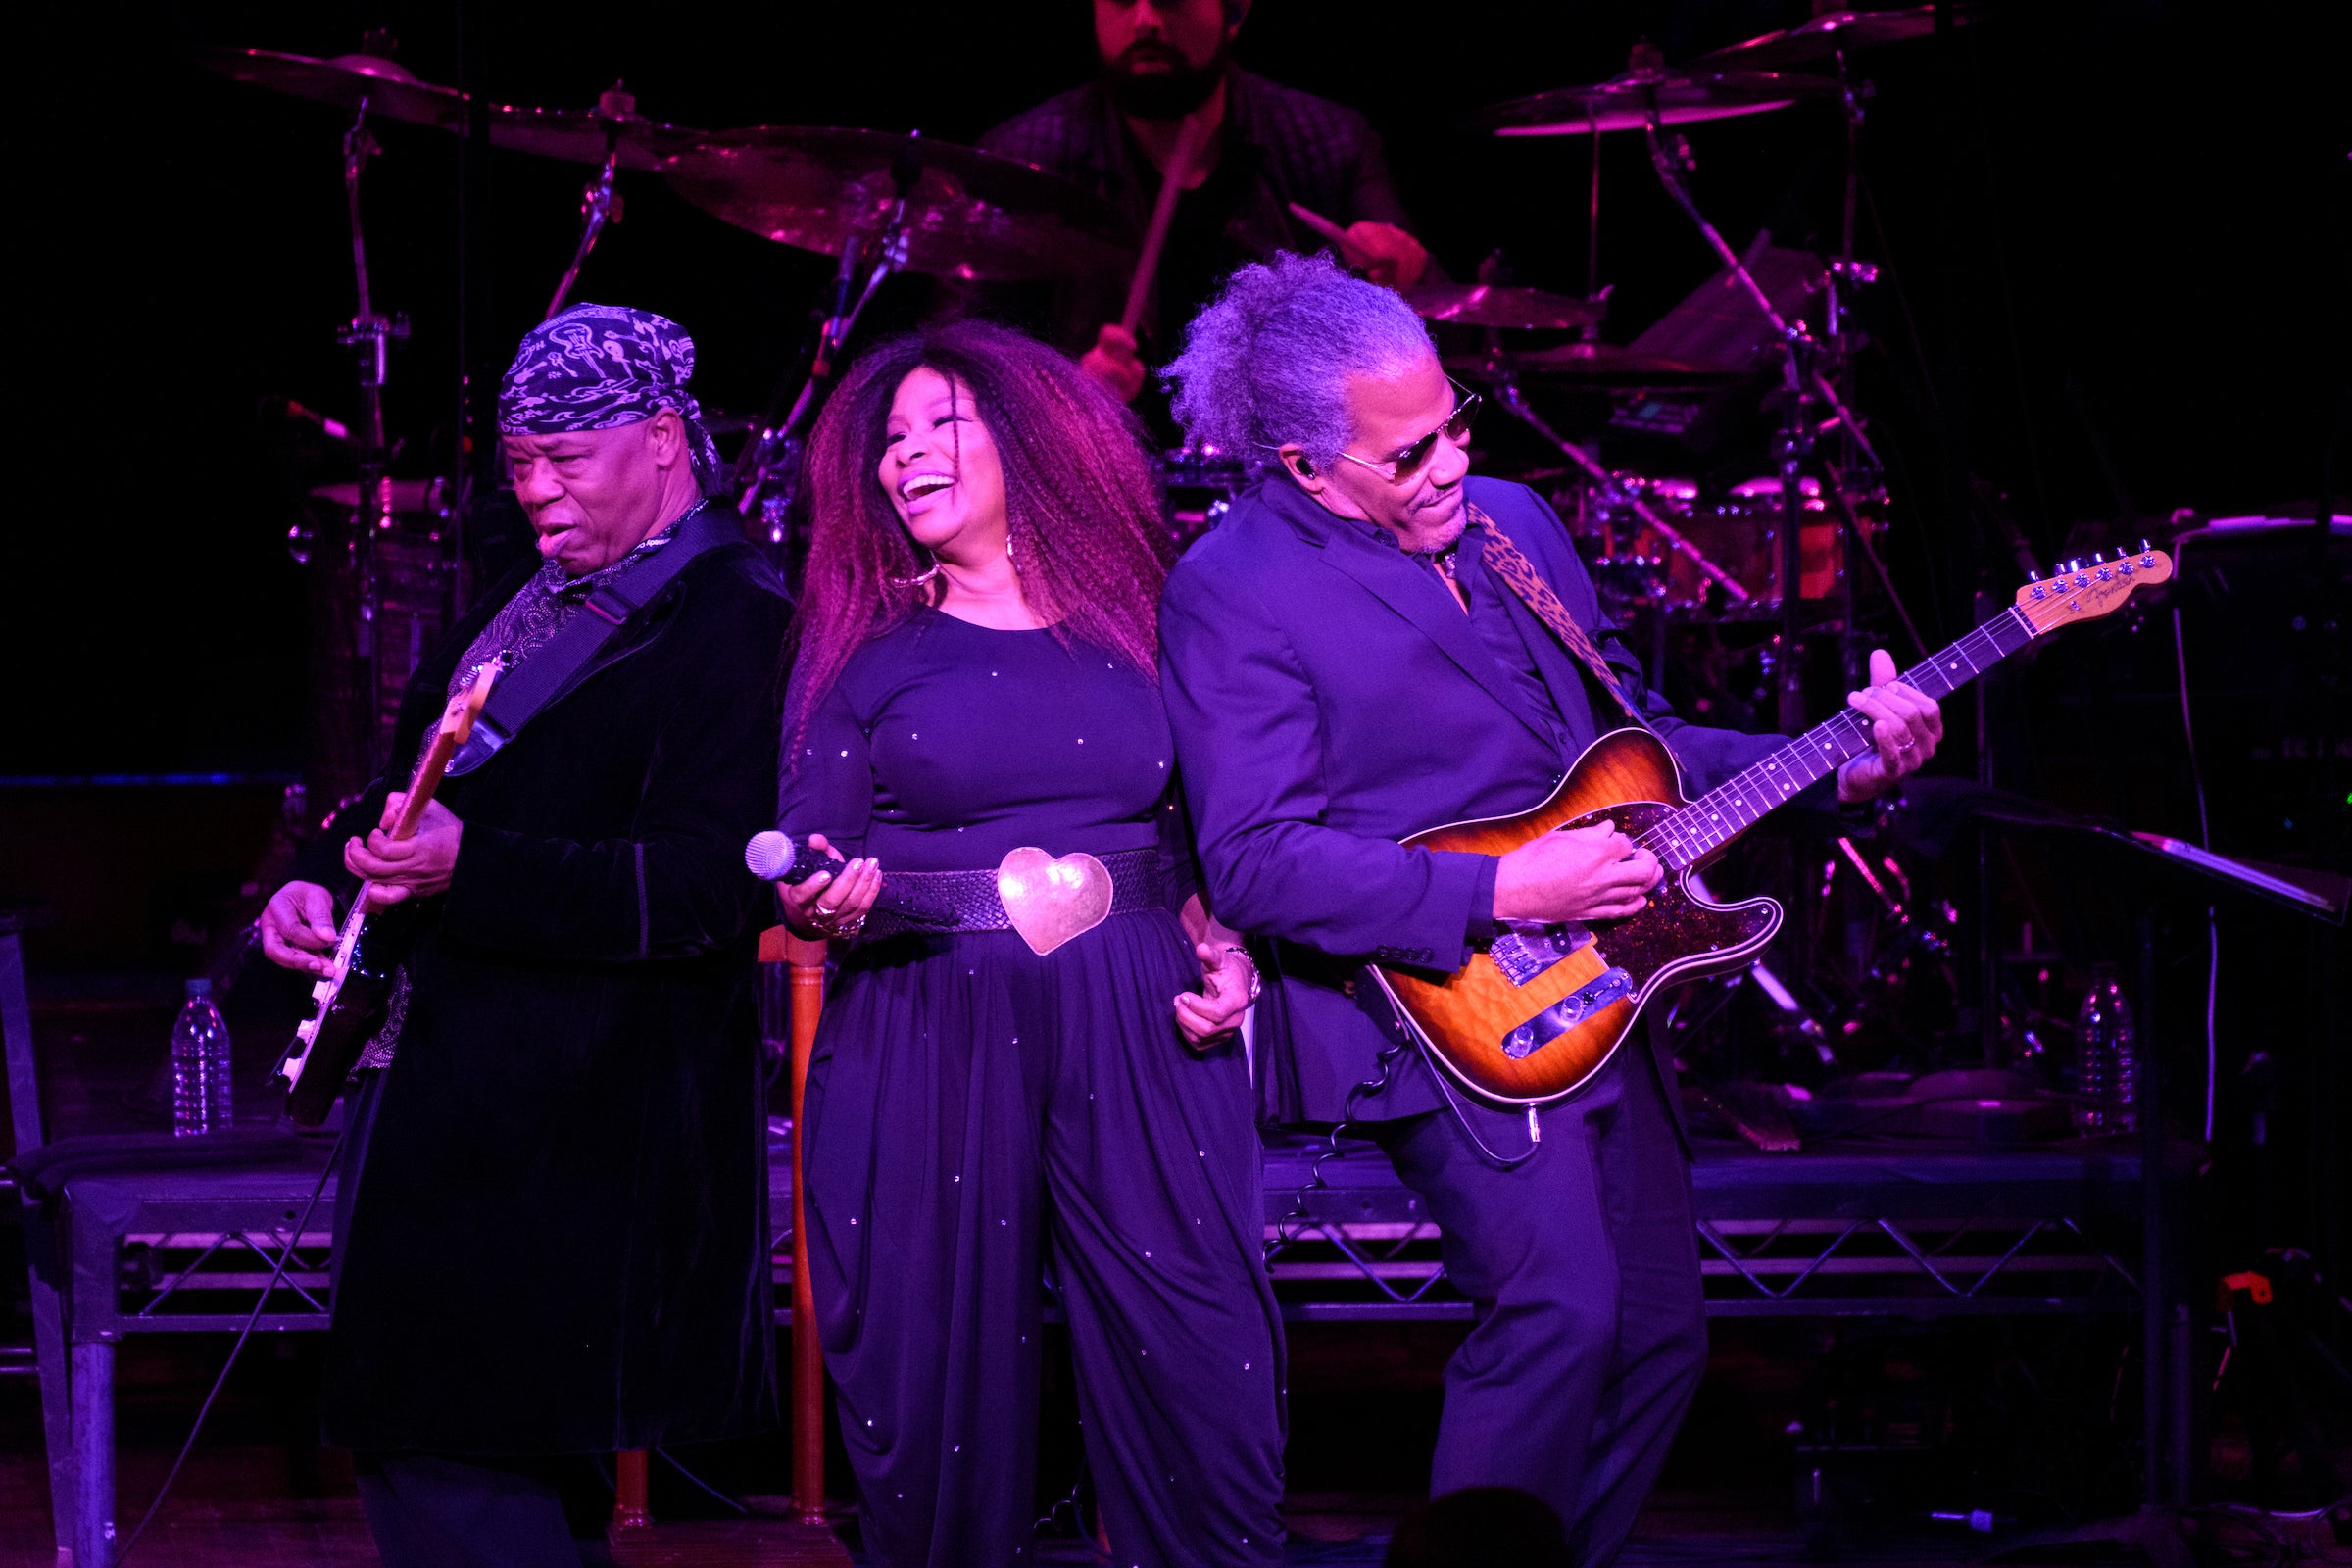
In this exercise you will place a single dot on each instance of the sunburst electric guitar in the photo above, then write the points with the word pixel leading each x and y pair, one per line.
pixel 1545 1006
pixel 352 997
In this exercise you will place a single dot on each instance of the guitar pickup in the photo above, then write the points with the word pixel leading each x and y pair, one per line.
pixel 1526 949
pixel 1564 1015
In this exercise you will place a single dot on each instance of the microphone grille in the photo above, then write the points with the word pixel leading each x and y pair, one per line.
pixel 769 855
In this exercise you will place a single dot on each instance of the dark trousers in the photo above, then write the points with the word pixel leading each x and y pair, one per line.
pixel 446 1511
pixel 430 1510
pixel 973 1112
pixel 1590 1333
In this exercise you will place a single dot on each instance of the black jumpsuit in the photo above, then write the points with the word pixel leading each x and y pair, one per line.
pixel 974 1109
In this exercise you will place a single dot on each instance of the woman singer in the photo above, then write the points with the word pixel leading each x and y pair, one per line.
pixel 1041 1072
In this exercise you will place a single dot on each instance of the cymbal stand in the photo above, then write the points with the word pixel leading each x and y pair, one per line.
pixel 1846 275
pixel 768 470
pixel 1515 402
pixel 598 202
pixel 1804 382
pixel 370 335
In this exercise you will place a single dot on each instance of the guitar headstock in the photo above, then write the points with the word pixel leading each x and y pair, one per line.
pixel 2086 590
pixel 456 720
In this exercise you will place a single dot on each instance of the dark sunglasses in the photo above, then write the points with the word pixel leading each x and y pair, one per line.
pixel 1407 462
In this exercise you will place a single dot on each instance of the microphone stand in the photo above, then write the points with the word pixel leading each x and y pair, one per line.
pixel 370 335
pixel 769 471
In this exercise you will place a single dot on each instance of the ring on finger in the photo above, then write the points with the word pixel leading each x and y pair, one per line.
pixel 824 914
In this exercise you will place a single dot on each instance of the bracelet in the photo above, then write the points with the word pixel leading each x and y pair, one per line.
pixel 1256 982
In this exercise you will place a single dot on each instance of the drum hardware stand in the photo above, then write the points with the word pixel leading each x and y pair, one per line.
pixel 1804 382
pixel 1511 399
pixel 1847 276
pixel 370 335
pixel 768 470
pixel 598 202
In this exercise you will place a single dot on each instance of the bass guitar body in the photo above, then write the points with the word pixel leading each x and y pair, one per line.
pixel 1545 1007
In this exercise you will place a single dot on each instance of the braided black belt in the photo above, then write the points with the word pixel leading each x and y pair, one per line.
pixel 967 901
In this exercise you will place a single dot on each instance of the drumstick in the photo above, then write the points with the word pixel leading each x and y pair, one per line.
pixel 1164 212
pixel 1348 250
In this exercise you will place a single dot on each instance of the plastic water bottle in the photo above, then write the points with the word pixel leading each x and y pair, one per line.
pixel 2106 1084
pixel 199 1065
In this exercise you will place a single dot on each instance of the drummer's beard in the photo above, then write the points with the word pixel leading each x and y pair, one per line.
pixel 1169 93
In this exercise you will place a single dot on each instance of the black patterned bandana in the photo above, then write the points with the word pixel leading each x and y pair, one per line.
pixel 600 366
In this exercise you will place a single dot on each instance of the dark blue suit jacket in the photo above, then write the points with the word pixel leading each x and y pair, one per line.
pixel 1329 697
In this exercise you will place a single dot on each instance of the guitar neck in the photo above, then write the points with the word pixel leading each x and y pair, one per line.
pixel 1731 808
pixel 423 783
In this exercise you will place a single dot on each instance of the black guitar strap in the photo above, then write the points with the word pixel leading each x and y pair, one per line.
pixel 548 673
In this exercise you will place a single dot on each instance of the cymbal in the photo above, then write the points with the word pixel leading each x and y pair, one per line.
pixel 971 215
pixel 1493 305
pixel 1626 102
pixel 578 136
pixel 393 92
pixel 1594 364
pixel 1830 33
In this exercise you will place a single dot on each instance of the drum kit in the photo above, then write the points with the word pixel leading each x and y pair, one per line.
pixel 1663 550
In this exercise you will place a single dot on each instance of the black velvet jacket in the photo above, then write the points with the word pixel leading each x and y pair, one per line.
pixel 558 1242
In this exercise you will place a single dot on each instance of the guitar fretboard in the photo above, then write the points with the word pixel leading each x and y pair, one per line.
pixel 1736 805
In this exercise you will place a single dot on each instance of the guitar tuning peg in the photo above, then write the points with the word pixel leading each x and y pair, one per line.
pixel 2032 575
pixel 2143 547
pixel 2097 557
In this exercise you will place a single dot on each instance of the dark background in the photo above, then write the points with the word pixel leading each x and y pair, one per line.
pixel 2114 248
pixel 2112 225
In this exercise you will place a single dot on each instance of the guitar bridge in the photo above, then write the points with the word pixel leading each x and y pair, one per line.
pixel 1526 949
pixel 1610 985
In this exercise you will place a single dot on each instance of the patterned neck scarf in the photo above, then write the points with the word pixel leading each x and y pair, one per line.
pixel 544 607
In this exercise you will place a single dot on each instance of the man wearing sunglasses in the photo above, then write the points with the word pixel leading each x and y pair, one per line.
pixel 1346 665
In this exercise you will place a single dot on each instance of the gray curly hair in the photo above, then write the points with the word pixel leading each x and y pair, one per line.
pixel 1265 363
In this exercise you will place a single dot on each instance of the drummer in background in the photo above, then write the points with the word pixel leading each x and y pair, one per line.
pixel 1267 146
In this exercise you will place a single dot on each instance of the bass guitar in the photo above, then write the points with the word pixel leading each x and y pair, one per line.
pixel 1545 1007
pixel 351 1000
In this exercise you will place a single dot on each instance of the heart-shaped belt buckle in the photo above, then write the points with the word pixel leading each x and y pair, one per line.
pixel 1051 901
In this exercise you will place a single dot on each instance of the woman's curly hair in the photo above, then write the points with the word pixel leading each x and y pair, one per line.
pixel 1267 363
pixel 1082 506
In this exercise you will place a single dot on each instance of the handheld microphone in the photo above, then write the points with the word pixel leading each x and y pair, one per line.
pixel 774 856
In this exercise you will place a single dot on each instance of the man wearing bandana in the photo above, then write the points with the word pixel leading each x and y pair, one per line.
pixel 551 1237
pixel 1268 146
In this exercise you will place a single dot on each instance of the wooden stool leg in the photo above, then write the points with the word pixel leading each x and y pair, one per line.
pixel 807 962
pixel 629 1510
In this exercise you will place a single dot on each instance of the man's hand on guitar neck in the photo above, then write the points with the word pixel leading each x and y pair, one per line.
pixel 298 928
pixel 1905 726
pixel 1579 873
pixel 407 868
